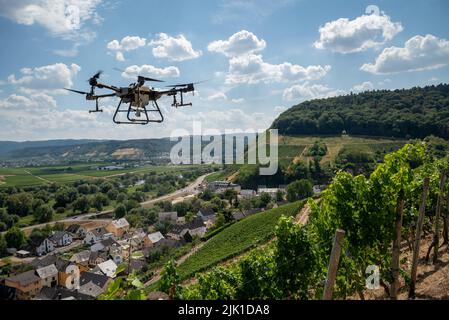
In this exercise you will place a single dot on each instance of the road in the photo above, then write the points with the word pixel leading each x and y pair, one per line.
pixel 191 189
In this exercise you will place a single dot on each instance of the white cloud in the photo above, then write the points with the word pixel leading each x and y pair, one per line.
pixel 419 53
pixel 252 69
pixel 48 79
pixel 365 86
pixel 306 91
pixel 239 100
pixel 35 101
pixel 62 18
pixel 364 32
pixel 217 96
pixel 242 42
pixel 174 48
pixel 128 43
pixel 150 71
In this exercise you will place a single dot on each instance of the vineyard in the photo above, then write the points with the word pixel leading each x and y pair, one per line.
pixel 404 199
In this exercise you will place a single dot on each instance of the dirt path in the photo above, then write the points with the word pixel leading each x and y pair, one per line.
pixel 37 177
pixel 302 217
pixel 297 159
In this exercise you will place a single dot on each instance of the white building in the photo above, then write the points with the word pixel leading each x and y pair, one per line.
pixel 108 268
pixel 44 247
pixel 61 238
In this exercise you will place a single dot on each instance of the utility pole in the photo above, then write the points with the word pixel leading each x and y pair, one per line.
pixel 416 246
pixel 333 264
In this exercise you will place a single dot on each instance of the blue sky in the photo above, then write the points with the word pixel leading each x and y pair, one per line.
pixel 261 57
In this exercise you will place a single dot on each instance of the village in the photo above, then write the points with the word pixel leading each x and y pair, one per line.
pixel 80 261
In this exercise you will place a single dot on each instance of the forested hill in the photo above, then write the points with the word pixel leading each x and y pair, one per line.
pixel 411 113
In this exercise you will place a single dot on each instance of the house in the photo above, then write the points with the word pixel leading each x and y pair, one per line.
pixel 60 293
pixel 95 235
pixel 171 217
pixel 61 238
pixel 48 275
pixel 44 261
pixel 93 284
pixel 238 215
pixel 42 246
pixel 67 271
pixel 104 245
pixel 270 191
pixel 108 268
pixel 162 245
pixel 248 193
pixel 96 258
pixel 221 186
pixel 116 254
pixel 77 231
pixel 196 227
pixel 152 239
pixel 81 258
pixel 111 168
pixel 137 238
pixel 208 216
pixel 27 284
pixel 118 227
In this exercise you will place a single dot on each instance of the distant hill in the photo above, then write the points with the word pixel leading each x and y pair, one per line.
pixel 411 113
pixel 66 151
pixel 86 150
pixel 8 146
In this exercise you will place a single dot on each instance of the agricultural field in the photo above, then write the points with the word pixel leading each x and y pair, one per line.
pixel 335 144
pixel 23 177
pixel 237 238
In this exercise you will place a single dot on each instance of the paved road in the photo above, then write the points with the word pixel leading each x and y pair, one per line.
pixel 188 190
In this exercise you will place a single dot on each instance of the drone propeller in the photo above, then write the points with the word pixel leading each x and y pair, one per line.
pixel 76 91
pixel 185 84
pixel 93 81
pixel 140 78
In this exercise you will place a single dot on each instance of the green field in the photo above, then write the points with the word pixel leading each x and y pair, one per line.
pixel 22 177
pixel 237 238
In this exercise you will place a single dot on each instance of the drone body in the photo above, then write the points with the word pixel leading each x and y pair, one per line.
pixel 137 100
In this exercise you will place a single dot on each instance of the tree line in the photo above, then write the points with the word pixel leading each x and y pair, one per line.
pixel 413 113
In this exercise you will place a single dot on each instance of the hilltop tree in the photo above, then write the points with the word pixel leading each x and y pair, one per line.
pixel 299 190
pixel 15 238
pixel 20 204
pixel 81 204
pixel 43 213
pixel 120 211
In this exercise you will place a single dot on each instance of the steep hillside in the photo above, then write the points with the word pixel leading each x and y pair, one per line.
pixel 413 113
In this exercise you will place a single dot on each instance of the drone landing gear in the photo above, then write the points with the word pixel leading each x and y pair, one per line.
pixel 97 109
pixel 134 114
pixel 176 104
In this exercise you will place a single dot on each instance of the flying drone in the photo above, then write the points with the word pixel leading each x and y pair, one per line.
pixel 135 99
